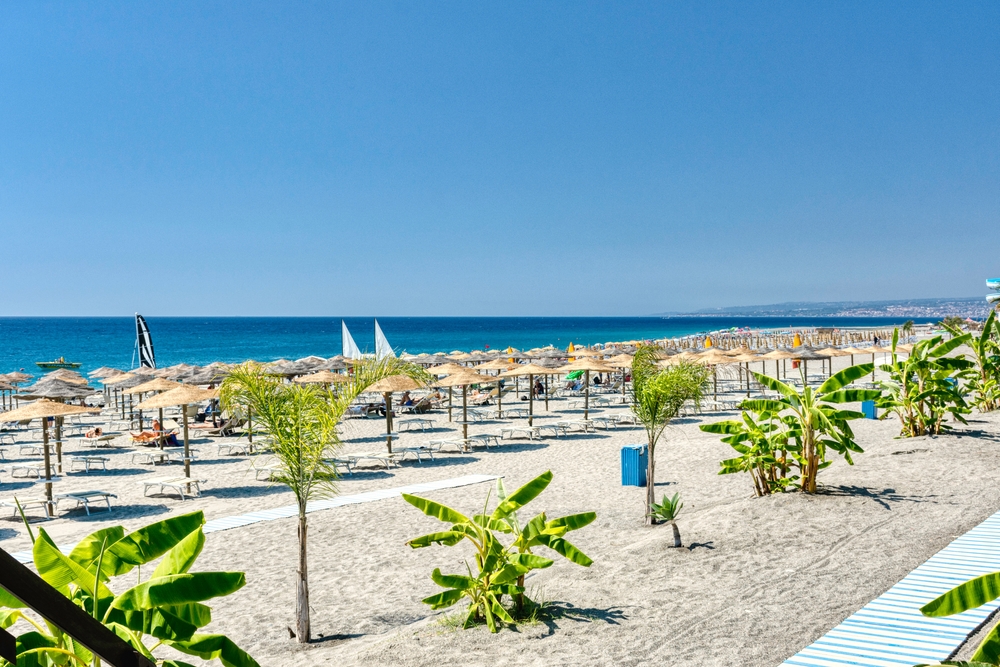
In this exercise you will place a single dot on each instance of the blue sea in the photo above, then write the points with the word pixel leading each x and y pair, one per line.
pixel 110 341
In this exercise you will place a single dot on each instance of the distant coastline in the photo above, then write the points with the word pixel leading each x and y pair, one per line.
pixel 974 307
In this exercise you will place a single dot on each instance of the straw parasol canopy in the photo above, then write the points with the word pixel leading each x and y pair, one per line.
pixel 323 377
pixel 395 383
pixel 463 379
pixel 104 372
pixel 159 384
pixel 779 354
pixel 531 370
pixel 16 378
pixel 620 361
pixel 586 352
pixel 496 365
pixel 43 409
pixel 123 378
pixel 180 395
pixel 447 369
pixel 586 364
pixel 803 353
pixel 56 388
pixel 66 375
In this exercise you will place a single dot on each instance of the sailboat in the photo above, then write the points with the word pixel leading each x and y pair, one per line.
pixel 143 344
pixel 351 350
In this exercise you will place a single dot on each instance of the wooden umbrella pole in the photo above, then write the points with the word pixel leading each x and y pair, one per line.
pixel 465 412
pixel 49 509
pixel 500 395
pixel 586 395
pixel 546 393
pixel 163 430
pixel 250 423
pixel 388 420
pixel 58 426
pixel 187 446
pixel 450 390
pixel 531 400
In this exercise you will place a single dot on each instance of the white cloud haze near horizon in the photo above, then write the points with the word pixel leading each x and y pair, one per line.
pixel 455 159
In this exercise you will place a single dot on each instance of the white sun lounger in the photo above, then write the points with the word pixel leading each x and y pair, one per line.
pixel 35 470
pixel 26 503
pixel 86 497
pixel 416 422
pixel 87 461
pixel 585 425
pixel 27 448
pixel 350 461
pixel 178 484
pixel 529 432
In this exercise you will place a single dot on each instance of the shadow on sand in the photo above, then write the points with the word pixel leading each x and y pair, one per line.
pixel 883 497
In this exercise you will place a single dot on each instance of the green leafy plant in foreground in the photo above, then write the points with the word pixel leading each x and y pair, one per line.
pixel 499 568
pixel 805 425
pixel 667 511
pixel 924 388
pixel 969 595
pixel 167 607
pixel 984 377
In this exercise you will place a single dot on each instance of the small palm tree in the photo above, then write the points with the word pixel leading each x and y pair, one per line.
pixel 658 394
pixel 667 512
pixel 301 421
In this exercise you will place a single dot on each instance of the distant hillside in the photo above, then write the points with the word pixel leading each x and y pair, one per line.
pixel 974 307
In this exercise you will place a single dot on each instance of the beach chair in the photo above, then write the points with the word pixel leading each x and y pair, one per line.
pixel 27 470
pixel 178 484
pixel 88 461
pixel 27 503
pixel 84 498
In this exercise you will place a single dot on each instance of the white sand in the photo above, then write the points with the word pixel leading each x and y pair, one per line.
pixel 758 579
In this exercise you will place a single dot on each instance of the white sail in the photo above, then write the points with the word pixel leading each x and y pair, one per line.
pixel 351 350
pixel 382 347
pixel 144 343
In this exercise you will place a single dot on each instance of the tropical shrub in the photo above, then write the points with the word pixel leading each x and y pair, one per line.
pixel 984 377
pixel 667 511
pixel 301 422
pixel 924 388
pixel 969 595
pixel 499 568
pixel 806 425
pixel 167 607
pixel 658 394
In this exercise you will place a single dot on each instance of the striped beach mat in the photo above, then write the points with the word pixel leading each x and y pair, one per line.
pixel 890 631
pixel 287 511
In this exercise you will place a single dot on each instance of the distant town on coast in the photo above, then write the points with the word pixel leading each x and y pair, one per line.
pixel 973 306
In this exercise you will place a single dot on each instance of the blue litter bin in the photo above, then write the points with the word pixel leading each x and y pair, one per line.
pixel 869 410
pixel 635 460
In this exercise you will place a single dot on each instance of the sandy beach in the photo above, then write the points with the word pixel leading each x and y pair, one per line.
pixel 757 579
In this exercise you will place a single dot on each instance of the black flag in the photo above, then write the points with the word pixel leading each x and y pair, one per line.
pixel 144 342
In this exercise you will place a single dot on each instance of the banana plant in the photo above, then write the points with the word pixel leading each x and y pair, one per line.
pixel 984 377
pixel 167 607
pixel 763 445
pixel 969 595
pixel 500 568
pixel 925 388
pixel 813 424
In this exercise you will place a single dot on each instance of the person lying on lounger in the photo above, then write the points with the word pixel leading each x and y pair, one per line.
pixel 94 432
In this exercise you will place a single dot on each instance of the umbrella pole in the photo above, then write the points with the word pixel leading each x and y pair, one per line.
pixel 187 446
pixel 163 430
pixel 250 425
pixel 531 400
pixel 58 426
pixel 450 390
pixel 49 509
pixel 500 395
pixel 465 413
pixel 546 393
pixel 623 385
pixel 388 420
pixel 586 396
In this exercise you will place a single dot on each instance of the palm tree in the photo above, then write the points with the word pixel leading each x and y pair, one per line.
pixel 301 421
pixel 658 394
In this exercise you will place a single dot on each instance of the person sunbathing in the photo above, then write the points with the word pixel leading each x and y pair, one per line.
pixel 156 434
pixel 94 433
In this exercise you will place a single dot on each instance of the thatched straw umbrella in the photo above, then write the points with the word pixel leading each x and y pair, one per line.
pixel 804 354
pixel 586 365
pixel 157 386
pixel 447 369
pixel 323 377
pixel 43 409
pixel 386 386
pixel 182 396
pixel 621 361
pixel 499 365
pixel 531 370
pixel 57 389
pixel 463 379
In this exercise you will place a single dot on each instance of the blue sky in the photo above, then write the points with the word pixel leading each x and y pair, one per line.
pixel 494 159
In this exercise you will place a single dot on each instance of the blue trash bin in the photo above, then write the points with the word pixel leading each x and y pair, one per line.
pixel 869 410
pixel 635 460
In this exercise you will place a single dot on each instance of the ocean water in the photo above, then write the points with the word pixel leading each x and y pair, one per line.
pixel 110 341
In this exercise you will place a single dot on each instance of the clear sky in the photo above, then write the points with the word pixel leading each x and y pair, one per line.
pixel 558 158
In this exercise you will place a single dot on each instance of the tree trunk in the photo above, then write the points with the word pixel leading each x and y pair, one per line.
pixel 650 484
pixel 677 535
pixel 302 585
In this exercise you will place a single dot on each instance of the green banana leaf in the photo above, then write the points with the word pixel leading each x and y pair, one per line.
pixel 989 649
pixel 436 510
pixel 851 395
pixel 845 377
pixel 209 647
pixel 179 589
pixel 523 495
pixel 182 556
pixel 572 521
pixel 89 548
pixel 458 581
pixel 565 549
pixel 448 538
pixel 444 599
pixel 155 622
pixel 9 601
pixel 969 595
pixel 149 542
pixel 59 571
pixel 775 385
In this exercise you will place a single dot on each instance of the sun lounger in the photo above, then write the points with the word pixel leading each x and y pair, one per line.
pixel 529 432
pixel 484 439
pixel 35 470
pixel 458 443
pixel 416 451
pixel 606 422
pixel 100 440
pixel 34 450
pixel 511 413
pixel 554 429
pixel 178 484
pixel 152 457
pixel 350 461
pixel 86 497
pixel 239 448
pixel 416 422
pixel 87 461
pixel 584 425
pixel 26 504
